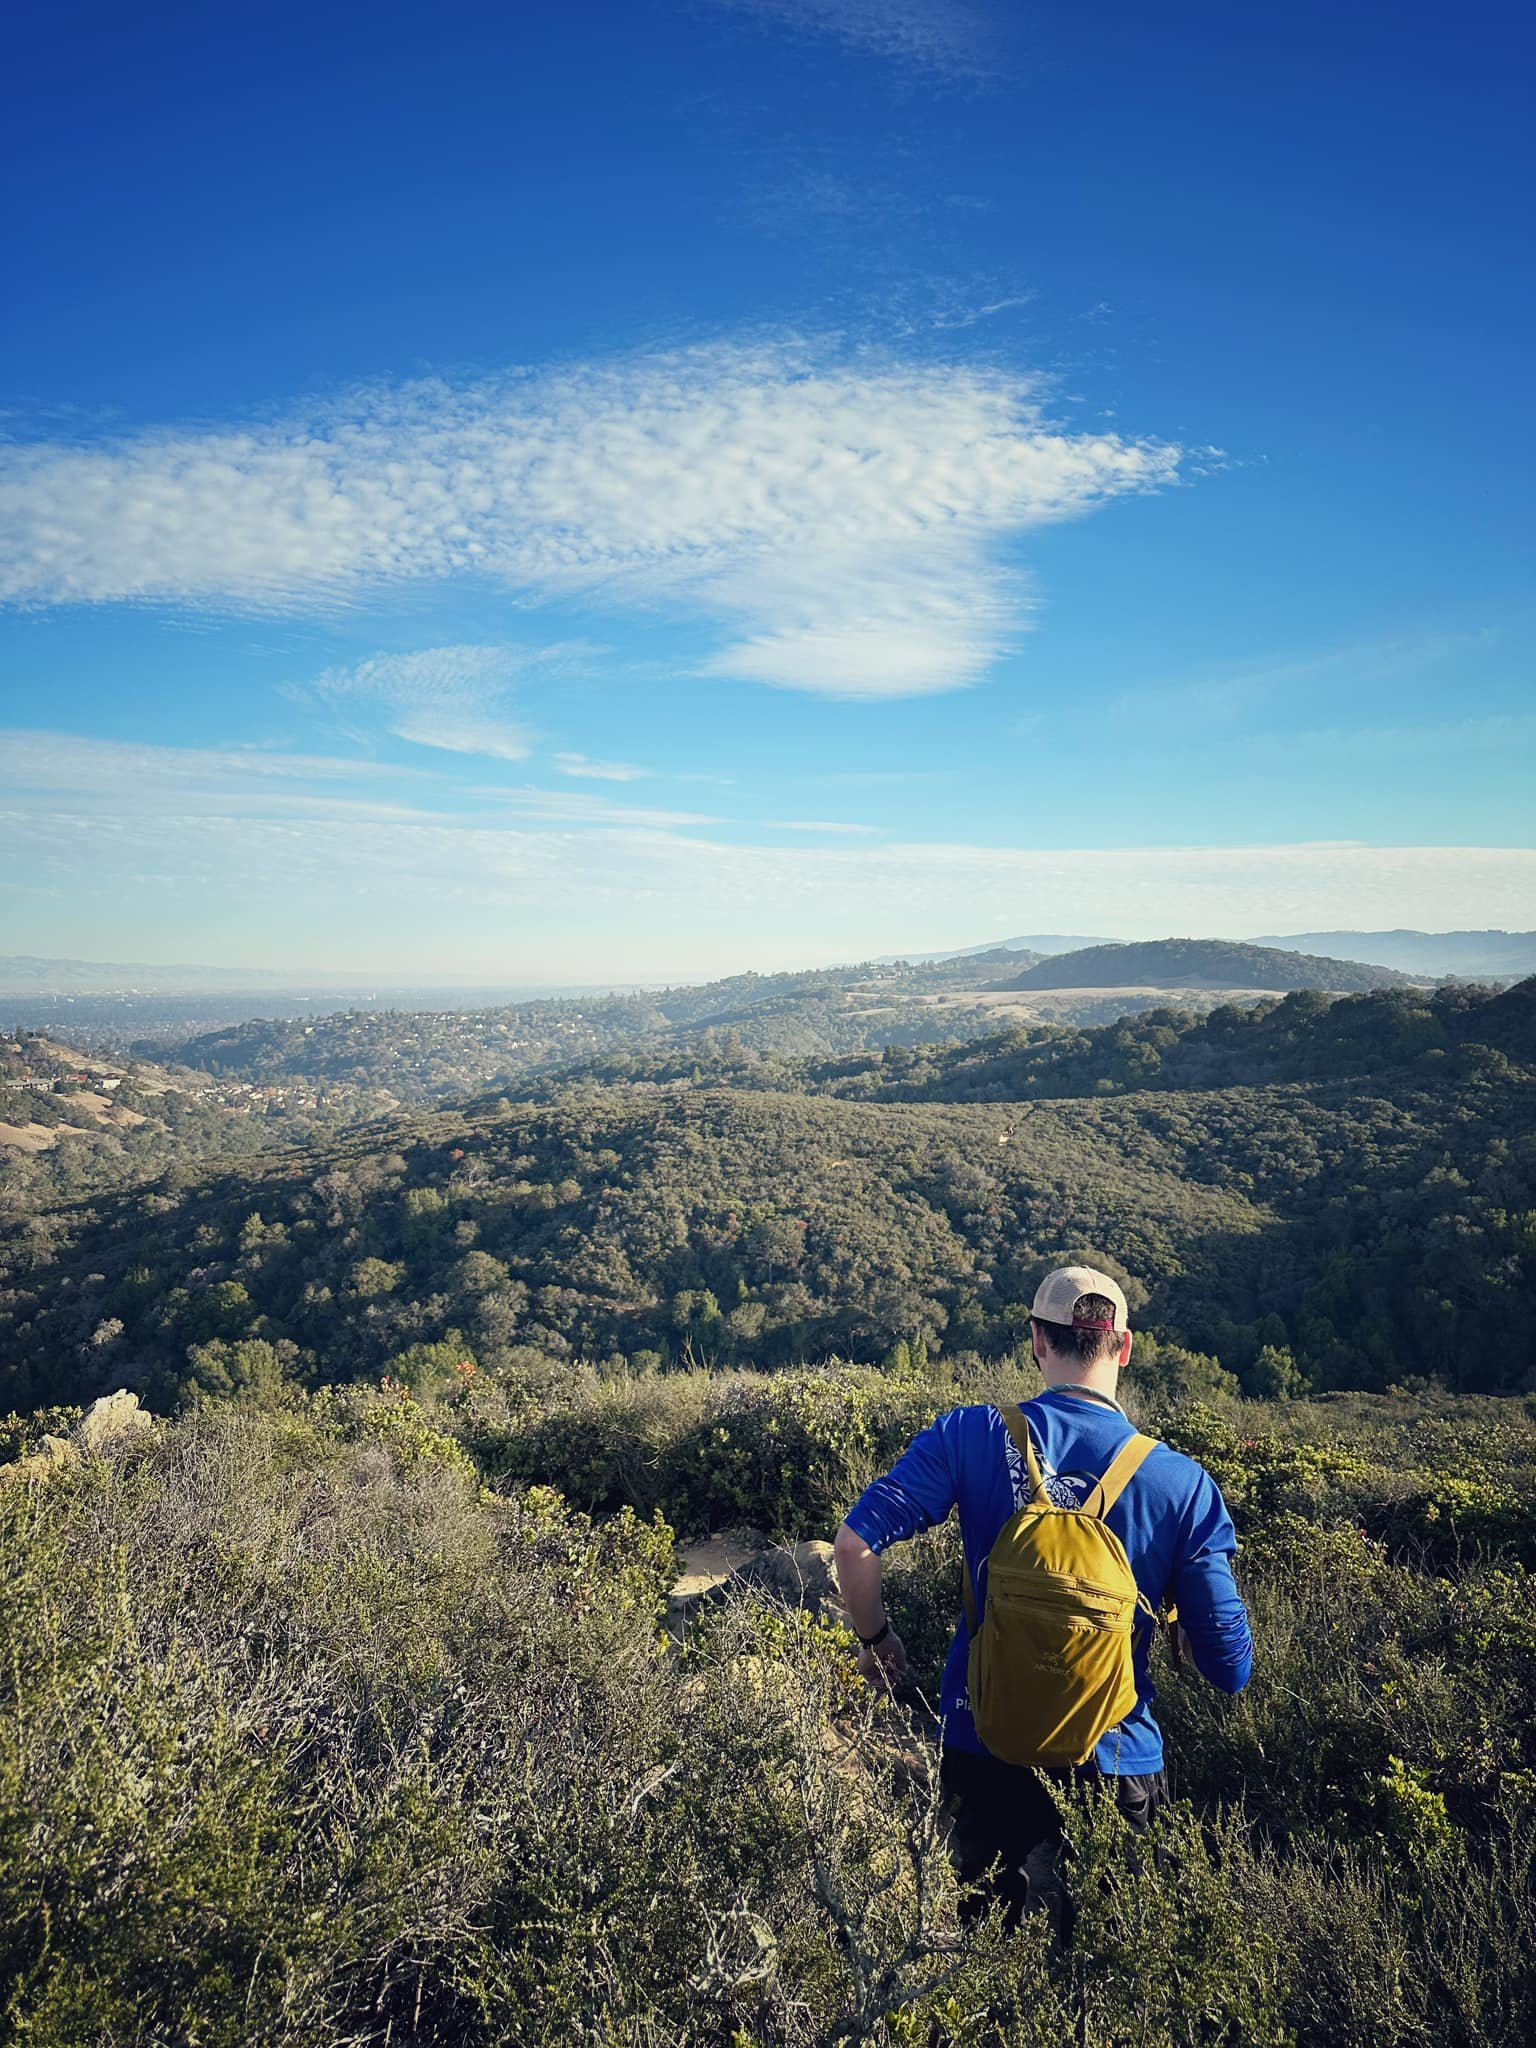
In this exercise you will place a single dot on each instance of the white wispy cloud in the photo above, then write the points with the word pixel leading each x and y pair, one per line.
pixel 950 37
pixel 973 315
pixel 599 771
pixel 463 732
pixel 574 806
pixel 444 696
pixel 1221 697
pixel 126 774
pixel 821 825
pixel 1495 736
pixel 846 520
pixel 121 778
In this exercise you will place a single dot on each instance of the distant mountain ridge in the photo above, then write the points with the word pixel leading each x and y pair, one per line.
pixel 1305 1036
pixel 30 974
pixel 1205 963
pixel 1465 953
pixel 1431 955
pixel 1038 942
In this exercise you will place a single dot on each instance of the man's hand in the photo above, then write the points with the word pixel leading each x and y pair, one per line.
pixel 884 1663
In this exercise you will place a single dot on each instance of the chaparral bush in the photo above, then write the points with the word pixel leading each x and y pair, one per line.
pixel 314 1731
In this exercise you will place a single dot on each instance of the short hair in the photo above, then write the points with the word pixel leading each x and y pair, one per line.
pixel 1088 1347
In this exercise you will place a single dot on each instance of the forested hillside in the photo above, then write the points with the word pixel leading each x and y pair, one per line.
pixel 1301 1037
pixel 1210 963
pixel 1349 1232
pixel 71 1122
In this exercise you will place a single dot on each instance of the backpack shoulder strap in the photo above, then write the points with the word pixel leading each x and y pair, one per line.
pixel 1123 1467
pixel 1017 1425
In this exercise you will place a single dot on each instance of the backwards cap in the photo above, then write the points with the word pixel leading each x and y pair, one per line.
pixel 1057 1297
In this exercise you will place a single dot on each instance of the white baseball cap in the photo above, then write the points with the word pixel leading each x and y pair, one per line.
pixel 1059 1293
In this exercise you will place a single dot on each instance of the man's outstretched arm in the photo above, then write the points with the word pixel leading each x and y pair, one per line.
pixel 1212 1617
pixel 917 1492
pixel 884 1661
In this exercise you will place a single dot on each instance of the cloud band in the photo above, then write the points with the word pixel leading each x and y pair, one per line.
pixel 844 520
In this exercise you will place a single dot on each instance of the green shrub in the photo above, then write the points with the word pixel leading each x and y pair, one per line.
pixel 309 1739
pixel 785 1453
pixel 399 1425
pixel 20 1434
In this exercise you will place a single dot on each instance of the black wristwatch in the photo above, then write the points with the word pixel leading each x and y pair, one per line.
pixel 879 1636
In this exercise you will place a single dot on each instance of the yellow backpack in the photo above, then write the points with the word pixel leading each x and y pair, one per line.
pixel 1050 1666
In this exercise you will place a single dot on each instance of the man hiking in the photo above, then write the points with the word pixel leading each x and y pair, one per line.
pixel 1075 1530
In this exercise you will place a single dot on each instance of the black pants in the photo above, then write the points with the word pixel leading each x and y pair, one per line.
pixel 1002 1814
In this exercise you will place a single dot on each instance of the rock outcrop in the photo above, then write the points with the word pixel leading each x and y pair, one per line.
pixel 108 1423
pixel 797 1574
pixel 800 1574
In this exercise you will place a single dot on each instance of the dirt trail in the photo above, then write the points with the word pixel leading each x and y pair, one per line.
pixel 711 1561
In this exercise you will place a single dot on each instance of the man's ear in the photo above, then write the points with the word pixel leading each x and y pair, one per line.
pixel 1125 1350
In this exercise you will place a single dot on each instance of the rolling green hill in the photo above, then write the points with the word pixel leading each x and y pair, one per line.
pixel 1349 1230
pixel 1305 1036
pixel 1208 963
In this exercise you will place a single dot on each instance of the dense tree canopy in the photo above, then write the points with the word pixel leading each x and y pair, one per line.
pixel 1338 1232
pixel 1401 1037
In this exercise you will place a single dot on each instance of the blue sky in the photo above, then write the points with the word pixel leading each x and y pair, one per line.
pixel 654 489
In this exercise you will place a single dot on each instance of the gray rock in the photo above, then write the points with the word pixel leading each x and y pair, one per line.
pixel 798 1573
pixel 109 1420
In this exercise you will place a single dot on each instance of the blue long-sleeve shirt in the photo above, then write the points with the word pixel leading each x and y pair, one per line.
pixel 1171 1518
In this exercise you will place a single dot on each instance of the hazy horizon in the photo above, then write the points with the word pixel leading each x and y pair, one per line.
pixel 295 982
